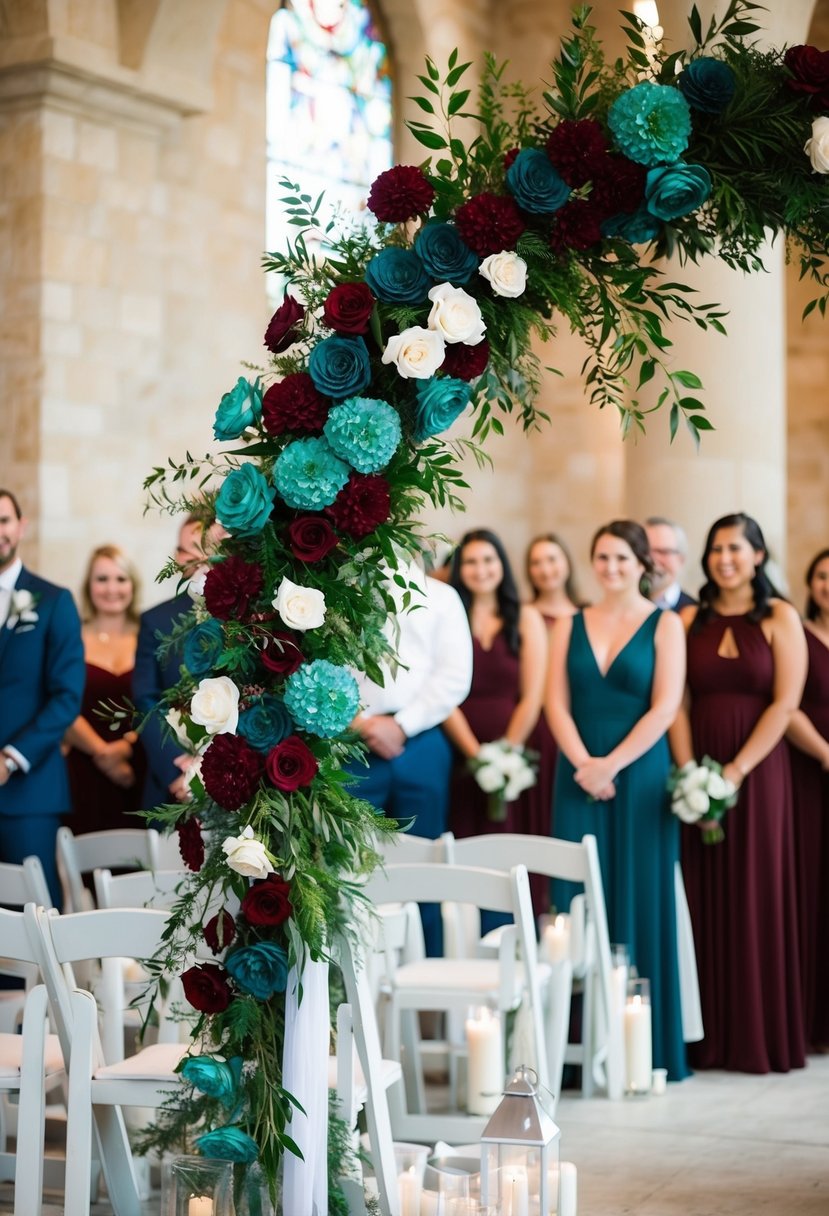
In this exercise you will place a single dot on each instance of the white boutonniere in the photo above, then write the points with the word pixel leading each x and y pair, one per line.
pixel 22 614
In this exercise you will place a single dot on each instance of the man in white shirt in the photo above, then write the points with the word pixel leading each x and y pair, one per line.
pixel 409 757
pixel 669 552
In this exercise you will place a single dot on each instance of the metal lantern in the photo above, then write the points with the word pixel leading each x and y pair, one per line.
pixel 520 1152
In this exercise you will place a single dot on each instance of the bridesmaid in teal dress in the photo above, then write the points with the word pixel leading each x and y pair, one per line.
pixel 615 685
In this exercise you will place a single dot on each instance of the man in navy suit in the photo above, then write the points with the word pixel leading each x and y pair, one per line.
pixel 669 552
pixel 42 676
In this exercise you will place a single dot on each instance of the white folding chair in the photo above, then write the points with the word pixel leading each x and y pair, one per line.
pixel 405 849
pixel 119 849
pixel 139 888
pixel 20 885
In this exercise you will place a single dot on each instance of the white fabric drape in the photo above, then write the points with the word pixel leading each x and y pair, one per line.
pixel 305 1075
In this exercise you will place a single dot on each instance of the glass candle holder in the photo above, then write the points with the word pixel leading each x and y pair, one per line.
pixel 447 1180
pixel 196 1186
pixel 554 946
pixel 638 1037
pixel 485 1060
pixel 410 1162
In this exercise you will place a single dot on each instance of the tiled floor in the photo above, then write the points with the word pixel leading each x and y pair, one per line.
pixel 716 1145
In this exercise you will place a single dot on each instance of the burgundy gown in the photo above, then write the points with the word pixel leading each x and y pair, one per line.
pixel 99 804
pixel 810 786
pixel 741 892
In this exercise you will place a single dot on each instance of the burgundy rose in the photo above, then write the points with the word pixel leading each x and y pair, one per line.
pixel 489 223
pixel 230 587
pixel 578 226
pixel 509 157
pixel 206 987
pixel 230 771
pixel 399 194
pixel 573 148
pixel 810 74
pixel 294 405
pixel 311 538
pixel 348 308
pixel 362 504
pixel 466 362
pixel 291 764
pixel 281 653
pixel 190 843
pixel 618 185
pixel 282 327
pixel 267 902
pixel 219 931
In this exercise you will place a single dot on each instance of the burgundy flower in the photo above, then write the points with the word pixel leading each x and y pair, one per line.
pixel 489 223
pixel 618 185
pixel 282 327
pixel 230 771
pixel 466 362
pixel 311 538
pixel 281 653
pixel 291 764
pixel 348 308
pixel 219 931
pixel 573 148
pixel 267 902
pixel 578 226
pixel 190 843
pixel 509 157
pixel 401 193
pixel 206 987
pixel 810 74
pixel 362 504
pixel 230 587
pixel 294 405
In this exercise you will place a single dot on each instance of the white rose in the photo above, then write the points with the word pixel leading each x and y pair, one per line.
pixel 698 801
pixel 215 706
pixel 417 353
pixel 517 784
pixel 681 809
pixel 489 753
pixel 513 763
pixel 300 607
pixel 22 600
pixel 489 778
pixel 506 272
pixel 697 779
pixel 175 721
pixel 247 855
pixel 455 315
pixel 817 148
pixel 717 787
pixel 195 586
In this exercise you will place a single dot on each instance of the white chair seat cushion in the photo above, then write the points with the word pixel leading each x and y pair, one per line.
pixel 153 1063
pixel 11 1055
pixel 456 974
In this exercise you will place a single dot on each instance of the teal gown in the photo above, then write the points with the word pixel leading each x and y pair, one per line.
pixel 638 837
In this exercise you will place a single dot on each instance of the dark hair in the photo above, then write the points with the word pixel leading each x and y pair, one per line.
pixel 634 536
pixel 554 539
pixel 761 585
pixel 13 500
pixel 509 602
pixel 812 610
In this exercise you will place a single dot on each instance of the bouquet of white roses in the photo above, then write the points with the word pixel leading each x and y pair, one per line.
pixel 699 791
pixel 503 770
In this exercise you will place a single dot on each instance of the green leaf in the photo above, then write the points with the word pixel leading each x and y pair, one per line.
pixel 674 422
pixel 453 58
pixel 457 101
pixel 430 85
pixel 434 74
pixel 429 139
pixel 687 379
pixel 701 422
pixel 455 75
pixel 424 104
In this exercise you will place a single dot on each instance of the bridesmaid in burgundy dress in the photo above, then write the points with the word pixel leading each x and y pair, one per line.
pixel 809 734
pixel 549 572
pixel 105 766
pixel 746 667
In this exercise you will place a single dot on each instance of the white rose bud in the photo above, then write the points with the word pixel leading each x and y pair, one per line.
pixel 489 753
pixel 215 706
pixel 247 855
pixel 506 272
pixel 300 607
pixel 195 585
pixel 717 787
pixel 192 774
pixel 696 780
pixel 489 778
pixel 517 784
pixel 175 721
pixel 513 763
pixel 456 315
pixel 817 148
pixel 417 353
pixel 681 809
pixel 698 801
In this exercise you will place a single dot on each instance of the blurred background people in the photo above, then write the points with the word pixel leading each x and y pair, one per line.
pixel 669 553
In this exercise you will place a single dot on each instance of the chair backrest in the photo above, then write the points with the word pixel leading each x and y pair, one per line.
pixel 16 936
pixel 403 848
pixel 23 884
pixel 121 848
pixel 138 889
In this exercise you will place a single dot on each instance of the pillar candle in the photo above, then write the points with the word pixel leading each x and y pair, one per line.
pixel 638 1048
pixel 200 1205
pixel 486 1062
pixel 515 1193
pixel 555 941
pixel 408 1190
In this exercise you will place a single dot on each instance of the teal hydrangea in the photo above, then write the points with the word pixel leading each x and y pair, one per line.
pixel 365 432
pixel 651 123
pixel 245 501
pixel 322 698
pixel 228 1144
pixel 308 475
pixel 238 409
pixel 440 400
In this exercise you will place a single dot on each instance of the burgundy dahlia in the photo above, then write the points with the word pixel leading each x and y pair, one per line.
pixel 283 325
pixel 219 931
pixel 190 843
pixel 401 193
pixel 489 223
pixel 267 902
pixel 466 362
pixel 281 653
pixel 230 587
pixel 348 308
pixel 509 157
pixel 573 147
pixel 578 226
pixel 810 74
pixel 291 764
pixel 618 185
pixel 362 504
pixel 230 771
pixel 206 987
pixel 294 405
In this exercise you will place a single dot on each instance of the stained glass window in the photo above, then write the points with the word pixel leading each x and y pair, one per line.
pixel 328 106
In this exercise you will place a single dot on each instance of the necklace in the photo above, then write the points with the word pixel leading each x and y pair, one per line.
pixel 102 637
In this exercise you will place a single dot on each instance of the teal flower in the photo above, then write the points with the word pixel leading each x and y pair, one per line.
pixel 260 969
pixel 707 84
pixel 202 647
pixel 228 1144
pixel 238 409
pixel 245 501
pixel 439 402
pixel 536 186
pixel 651 123
pixel 398 276
pixel 365 432
pixel 446 257
pixel 636 229
pixel 265 723
pixel 322 698
pixel 675 190
pixel 339 367
pixel 308 475
pixel 216 1078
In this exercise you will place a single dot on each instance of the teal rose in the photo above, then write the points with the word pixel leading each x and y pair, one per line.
pixel 447 258
pixel 440 401
pixel 339 367
pixel 216 1078
pixel 260 969
pixel 536 185
pixel 265 723
pixel 637 229
pixel 675 190
pixel 398 276
pixel 228 1144
pixel 245 501
pixel 708 84
pixel 202 647
pixel 238 409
